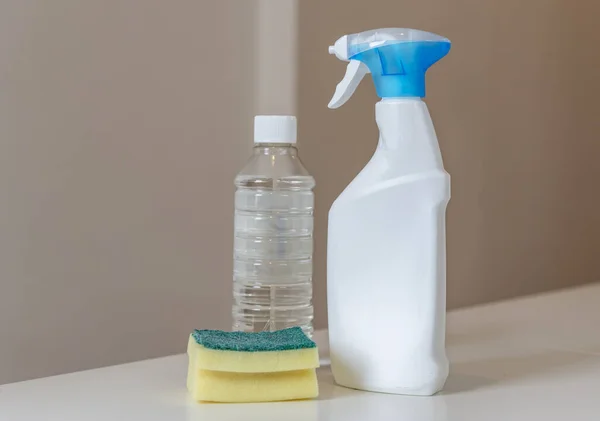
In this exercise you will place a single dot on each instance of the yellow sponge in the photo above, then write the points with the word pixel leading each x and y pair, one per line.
pixel 221 386
pixel 252 367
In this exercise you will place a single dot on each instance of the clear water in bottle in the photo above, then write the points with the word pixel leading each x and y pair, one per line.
pixel 273 242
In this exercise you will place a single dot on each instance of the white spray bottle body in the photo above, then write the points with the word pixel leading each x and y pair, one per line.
pixel 386 264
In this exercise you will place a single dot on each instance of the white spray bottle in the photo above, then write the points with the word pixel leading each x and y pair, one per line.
pixel 386 263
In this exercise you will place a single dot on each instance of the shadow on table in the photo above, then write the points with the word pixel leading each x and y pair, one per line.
pixel 497 371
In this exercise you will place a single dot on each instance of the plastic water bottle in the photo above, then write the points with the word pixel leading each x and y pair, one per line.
pixel 273 234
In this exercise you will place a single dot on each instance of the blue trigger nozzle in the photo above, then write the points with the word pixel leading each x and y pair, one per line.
pixel 398 69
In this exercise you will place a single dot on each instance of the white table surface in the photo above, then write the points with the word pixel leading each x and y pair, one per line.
pixel 534 358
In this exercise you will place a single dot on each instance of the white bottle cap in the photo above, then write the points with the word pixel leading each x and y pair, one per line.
pixel 274 129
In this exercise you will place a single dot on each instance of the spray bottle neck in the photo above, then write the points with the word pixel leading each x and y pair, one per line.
pixel 406 129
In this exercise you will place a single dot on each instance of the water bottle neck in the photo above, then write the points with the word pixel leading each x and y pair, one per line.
pixel 275 149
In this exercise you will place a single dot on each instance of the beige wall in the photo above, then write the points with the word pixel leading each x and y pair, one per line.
pixel 516 109
pixel 122 125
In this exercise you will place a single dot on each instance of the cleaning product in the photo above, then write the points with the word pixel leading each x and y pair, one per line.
pixel 273 243
pixel 252 367
pixel 386 263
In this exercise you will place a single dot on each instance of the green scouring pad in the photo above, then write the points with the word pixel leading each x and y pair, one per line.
pixel 281 340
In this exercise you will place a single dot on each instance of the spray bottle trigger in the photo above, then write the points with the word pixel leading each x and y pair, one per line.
pixel 355 71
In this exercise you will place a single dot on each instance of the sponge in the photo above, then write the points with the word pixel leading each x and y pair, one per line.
pixel 221 386
pixel 252 367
